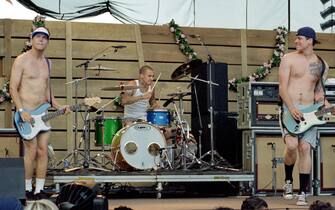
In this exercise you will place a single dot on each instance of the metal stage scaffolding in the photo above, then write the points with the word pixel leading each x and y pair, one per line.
pixel 245 180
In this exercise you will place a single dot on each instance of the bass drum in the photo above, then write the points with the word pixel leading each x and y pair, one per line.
pixel 137 146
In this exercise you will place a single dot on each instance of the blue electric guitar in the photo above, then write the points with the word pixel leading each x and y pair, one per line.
pixel 28 130
pixel 312 116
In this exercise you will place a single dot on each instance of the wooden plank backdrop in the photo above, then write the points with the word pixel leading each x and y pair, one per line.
pixel 73 43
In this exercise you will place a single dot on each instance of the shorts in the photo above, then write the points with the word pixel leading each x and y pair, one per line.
pixel 309 136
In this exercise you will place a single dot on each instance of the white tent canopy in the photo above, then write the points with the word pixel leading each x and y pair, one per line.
pixel 249 14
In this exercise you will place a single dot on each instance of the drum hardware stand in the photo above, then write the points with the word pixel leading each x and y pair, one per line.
pixel 75 152
pixel 86 137
pixel 103 155
pixel 213 153
pixel 163 152
pixel 185 136
pixel 86 131
pixel 275 160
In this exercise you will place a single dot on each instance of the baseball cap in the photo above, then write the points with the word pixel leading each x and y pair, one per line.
pixel 308 32
pixel 40 30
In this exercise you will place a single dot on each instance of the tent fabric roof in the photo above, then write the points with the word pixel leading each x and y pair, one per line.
pixel 249 14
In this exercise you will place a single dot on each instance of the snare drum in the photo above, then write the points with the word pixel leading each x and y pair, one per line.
pixel 137 147
pixel 106 128
pixel 159 117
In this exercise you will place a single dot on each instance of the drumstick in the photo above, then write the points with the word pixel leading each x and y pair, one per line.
pixel 156 81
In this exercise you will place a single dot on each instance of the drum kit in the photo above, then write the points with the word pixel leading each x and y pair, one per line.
pixel 140 145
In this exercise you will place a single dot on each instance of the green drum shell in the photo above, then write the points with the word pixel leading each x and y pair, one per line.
pixel 110 127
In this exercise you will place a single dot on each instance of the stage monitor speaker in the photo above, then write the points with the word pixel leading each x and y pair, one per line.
pixel 12 178
pixel 220 93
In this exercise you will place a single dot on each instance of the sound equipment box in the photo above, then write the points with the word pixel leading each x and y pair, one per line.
pixel 257 105
pixel 263 152
pixel 325 164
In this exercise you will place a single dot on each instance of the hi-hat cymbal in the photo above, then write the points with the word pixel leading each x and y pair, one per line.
pixel 185 69
pixel 120 88
pixel 101 68
pixel 179 94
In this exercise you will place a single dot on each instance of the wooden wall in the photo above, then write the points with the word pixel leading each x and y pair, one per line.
pixel 74 43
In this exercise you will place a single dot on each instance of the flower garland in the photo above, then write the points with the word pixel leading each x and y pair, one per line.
pixel 182 41
pixel 265 69
pixel 4 93
pixel 39 21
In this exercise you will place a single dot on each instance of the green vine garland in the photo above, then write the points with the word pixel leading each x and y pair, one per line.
pixel 182 41
pixel 264 70
pixel 261 71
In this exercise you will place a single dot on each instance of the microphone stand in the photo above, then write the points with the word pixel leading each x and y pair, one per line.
pixel 86 130
pixel 213 153
pixel 75 152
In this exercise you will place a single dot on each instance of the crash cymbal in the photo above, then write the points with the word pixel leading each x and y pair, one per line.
pixel 101 68
pixel 120 88
pixel 179 94
pixel 185 69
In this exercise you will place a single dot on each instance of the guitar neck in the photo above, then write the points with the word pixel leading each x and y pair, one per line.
pixel 57 113
pixel 324 111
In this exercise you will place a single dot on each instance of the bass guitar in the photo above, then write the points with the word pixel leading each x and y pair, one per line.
pixel 29 130
pixel 312 116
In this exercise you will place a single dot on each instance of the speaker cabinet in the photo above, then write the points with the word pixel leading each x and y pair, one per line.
pixel 217 73
pixel 12 177
pixel 260 148
pixel 325 162
pixel 224 127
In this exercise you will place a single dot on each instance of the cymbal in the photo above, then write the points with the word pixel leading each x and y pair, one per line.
pixel 120 88
pixel 185 69
pixel 101 68
pixel 179 94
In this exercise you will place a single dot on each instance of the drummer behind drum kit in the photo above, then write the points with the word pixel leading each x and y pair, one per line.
pixel 141 145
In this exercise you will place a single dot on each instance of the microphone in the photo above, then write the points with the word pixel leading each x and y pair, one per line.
pixel 119 46
pixel 195 35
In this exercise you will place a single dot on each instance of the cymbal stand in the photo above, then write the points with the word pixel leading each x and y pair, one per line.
pixel 67 161
pixel 213 153
pixel 86 130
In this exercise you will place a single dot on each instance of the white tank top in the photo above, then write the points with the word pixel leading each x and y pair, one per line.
pixel 137 110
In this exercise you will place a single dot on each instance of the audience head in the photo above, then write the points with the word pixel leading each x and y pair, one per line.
pixel 43 204
pixel 254 203
pixel 320 205
pixel 122 208
pixel 223 208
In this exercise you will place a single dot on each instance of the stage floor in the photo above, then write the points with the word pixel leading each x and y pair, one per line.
pixel 209 203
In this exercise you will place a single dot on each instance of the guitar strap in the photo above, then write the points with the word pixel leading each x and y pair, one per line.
pixel 49 69
pixel 323 69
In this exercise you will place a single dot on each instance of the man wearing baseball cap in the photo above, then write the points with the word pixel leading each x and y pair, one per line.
pixel 30 88
pixel 301 77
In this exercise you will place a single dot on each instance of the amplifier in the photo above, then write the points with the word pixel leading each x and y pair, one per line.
pixel 263 155
pixel 257 105
pixel 325 173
